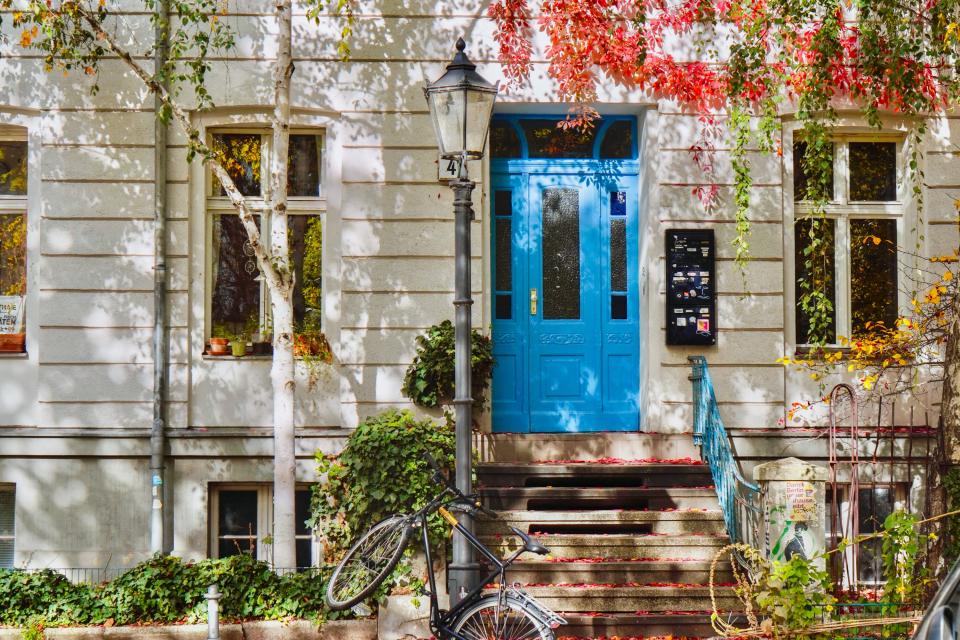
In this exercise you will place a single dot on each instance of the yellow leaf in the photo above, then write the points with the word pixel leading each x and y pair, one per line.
pixel 876 240
pixel 948 276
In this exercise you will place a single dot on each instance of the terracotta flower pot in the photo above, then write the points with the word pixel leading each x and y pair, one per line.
pixel 219 346
pixel 13 342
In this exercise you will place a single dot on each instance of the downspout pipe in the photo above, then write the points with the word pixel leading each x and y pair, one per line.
pixel 160 536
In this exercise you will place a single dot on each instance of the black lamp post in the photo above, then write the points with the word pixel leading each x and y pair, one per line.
pixel 461 104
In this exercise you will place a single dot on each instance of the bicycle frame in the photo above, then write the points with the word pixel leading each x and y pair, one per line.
pixel 441 620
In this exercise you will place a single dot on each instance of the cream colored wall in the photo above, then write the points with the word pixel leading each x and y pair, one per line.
pixel 388 235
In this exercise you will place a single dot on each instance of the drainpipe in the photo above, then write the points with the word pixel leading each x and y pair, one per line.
pixel 159 529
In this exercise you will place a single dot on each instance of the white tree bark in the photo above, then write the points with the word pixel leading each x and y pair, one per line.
pixel 281 298
pixel 273 263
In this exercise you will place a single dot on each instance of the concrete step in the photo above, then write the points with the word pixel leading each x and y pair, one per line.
pixel 614 598
pixel 568 498
pixel 522 447
pixel 592 474
pixel 678 624
pixel 699 547
pixel 605 521
pixel 619 571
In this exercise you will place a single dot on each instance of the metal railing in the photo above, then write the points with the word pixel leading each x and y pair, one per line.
pixel 739 498
pixel 99 575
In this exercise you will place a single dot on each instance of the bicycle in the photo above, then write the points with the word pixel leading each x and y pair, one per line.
pixel 507 614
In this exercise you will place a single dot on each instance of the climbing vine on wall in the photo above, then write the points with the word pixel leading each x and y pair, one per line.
pixel 755 60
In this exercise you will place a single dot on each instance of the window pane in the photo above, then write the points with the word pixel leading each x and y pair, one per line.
pixel 304 556
pixel 618 141
pixel 303 172
pixel 236 291
pixel 13 168
pixel 240 155
pixel 504 306
pixel 873 274
pixel 306 251
pixel 235 546
pixel 873 171
pixel 504 141
pixel 301 512
pixel 546 140
pixel 561 254
pixel 618 254
pixel 504 257
pixel 7 510
pixel 503 203
pixel 238 513
pixel 800 173
pixel 618 307
pixel 13 255
pixel 820 275
pixel 874 507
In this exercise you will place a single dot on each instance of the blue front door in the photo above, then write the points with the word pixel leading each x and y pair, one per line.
pixel 566 301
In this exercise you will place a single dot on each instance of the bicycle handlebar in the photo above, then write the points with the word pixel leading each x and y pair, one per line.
pixel 473 501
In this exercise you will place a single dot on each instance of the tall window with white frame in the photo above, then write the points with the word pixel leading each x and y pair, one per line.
pixel 240 517
pixel 863 224
pixel 238 304
pixel 13 242
pixel 8 505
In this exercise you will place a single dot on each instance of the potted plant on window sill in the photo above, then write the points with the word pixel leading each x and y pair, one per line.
pixel 219 344
pixel 13 342
pixel 238 345
pixel 313 349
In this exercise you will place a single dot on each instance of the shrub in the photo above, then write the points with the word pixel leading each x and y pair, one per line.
pixel 381 471
pixel 162 589
pixel 429 380
pixel 44 595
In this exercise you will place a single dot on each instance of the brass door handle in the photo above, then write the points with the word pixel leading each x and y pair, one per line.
pixel 533 302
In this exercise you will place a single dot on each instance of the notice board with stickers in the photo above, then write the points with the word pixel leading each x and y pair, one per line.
pixel 691 287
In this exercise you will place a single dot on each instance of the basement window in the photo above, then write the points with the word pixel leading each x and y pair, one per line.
pixel 242 522
pixel 7 533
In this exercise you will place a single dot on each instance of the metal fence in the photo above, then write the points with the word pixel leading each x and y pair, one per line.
pixel 866 621
pixel 99 575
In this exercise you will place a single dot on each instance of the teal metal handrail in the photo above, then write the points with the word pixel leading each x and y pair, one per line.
pixel 739 498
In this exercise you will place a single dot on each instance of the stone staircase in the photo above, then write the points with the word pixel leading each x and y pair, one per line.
pixel 631 539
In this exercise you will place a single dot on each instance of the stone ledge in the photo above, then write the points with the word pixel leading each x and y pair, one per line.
pixel 265 630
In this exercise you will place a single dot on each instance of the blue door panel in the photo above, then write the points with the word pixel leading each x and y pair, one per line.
pixel 570 362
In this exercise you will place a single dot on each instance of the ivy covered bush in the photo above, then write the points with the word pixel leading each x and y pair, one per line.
pixel 163 589
pixel 381 471
pixel 429 380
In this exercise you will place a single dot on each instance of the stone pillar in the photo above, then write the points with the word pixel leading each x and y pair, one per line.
pixel 792 502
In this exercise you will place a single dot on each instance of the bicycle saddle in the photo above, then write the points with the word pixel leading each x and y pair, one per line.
pixel 529 544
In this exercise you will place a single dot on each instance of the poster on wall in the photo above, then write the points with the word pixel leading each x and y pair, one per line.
pixel 691 287
pixel 11 314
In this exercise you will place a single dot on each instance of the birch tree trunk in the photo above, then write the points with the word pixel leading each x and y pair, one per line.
pixel 281 300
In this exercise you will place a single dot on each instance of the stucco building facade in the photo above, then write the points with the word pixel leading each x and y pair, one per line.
pixel 76 406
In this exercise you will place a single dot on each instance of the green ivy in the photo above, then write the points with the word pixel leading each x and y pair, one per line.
pixel 951 528
pixel 163 589
pixel 793 594
pixel 429 381
pixel 380 472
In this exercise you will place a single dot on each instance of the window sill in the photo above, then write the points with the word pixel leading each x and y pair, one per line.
pixel 805 350
pixel 14 355
pixel 211 358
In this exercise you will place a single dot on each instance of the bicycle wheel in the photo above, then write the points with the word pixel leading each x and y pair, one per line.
pixel 368 562
pixel 487 620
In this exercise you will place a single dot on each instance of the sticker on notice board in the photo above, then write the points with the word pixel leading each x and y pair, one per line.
pixel 691 287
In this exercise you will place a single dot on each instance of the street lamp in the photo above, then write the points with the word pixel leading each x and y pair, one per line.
pixel 461 104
